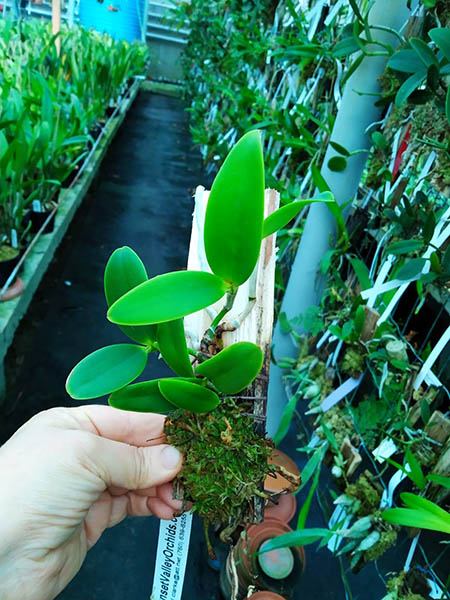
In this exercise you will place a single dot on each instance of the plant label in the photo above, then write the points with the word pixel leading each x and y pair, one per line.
pixel 340 392
pixel 171 557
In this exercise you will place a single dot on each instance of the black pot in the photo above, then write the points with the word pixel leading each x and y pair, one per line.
pixel 37 219
pixel 7 266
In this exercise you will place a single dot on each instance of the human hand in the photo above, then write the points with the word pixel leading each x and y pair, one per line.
pixel 67 475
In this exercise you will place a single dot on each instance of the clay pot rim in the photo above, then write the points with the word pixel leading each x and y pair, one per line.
pixel 265 595
pixel 279 483
pixel 290 503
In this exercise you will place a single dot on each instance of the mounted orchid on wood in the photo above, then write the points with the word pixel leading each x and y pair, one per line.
pixel 206 415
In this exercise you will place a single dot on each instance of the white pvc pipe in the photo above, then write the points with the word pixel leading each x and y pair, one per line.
pixel 356 113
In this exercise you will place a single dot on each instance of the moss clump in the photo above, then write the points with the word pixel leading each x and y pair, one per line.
pixel 353 362
pixel 387 539
pixel 340 423
pixel 225 462
pixel 366 493
pixel 408 585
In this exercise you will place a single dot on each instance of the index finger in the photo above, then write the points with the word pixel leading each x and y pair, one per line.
pixel 136 429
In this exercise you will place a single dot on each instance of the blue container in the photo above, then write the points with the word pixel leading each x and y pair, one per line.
pixel 121 19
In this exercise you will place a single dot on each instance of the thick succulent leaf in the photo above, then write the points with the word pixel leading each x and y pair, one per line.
pixel 441 37
pixel 235 212
pixel 190 396
pixel 283 215
pixel 167 297
pixel 406 61
pixel 124 271
pixel 234 368
pixel 408 87
pixel 141 397
pixel 173 348
pixel 106 370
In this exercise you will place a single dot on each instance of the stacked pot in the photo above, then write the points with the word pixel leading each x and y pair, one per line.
pixel 275 573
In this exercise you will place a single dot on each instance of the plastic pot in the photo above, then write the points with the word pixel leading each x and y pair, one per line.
pixel 37 219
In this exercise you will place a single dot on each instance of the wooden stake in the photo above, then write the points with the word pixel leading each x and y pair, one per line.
pixel 251 318
pixel 56 23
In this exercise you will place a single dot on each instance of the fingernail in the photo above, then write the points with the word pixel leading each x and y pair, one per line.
pixel 170 457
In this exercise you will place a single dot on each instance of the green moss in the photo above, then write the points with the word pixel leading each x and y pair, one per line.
pixel 387 539
pixel 353 362
pixel 401 584
pixel 225 461
pixel 377 163
pixel 340 424
pixel 366 493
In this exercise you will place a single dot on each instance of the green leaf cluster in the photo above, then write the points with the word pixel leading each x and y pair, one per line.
pixel 52 107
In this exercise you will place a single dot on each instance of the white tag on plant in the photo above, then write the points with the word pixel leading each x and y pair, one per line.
pixel 171 557
pixel 37 207
pixel 14 240
pixel 343 390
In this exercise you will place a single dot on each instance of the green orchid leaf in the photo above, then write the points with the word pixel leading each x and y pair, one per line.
pixel 123 272
pixel 416 473
pixel 285 421
pixel 441 37
pixel 360 319
pixel 439 479
pixel 167 297
pixel 173 348
pixel 141 397
pixel 189 396
pixel 412 269
pixel 406 61
pixel 337 163
pixel 404 247
pixel 235 212
pixel 301 537
pixel 410 517
pixel 361 272
pixel 340 149
pixel 424 52
pixel 106 370
pixel 234 368
pixel 283 215
pixel 409 86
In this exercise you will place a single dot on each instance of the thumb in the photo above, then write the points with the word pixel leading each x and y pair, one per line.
pixel 131 467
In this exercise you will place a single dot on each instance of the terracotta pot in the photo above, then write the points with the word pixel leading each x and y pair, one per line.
pixel 283 510
pixel 14 290
pixel 265 595
pixel 277 483
pixel 249 566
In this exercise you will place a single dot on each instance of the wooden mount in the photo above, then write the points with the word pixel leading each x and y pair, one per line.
pixel 251 318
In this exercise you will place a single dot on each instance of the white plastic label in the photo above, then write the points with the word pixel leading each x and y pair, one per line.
pixel 171 557
pixel 36 206
pixel 14 241
pixel 343 390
